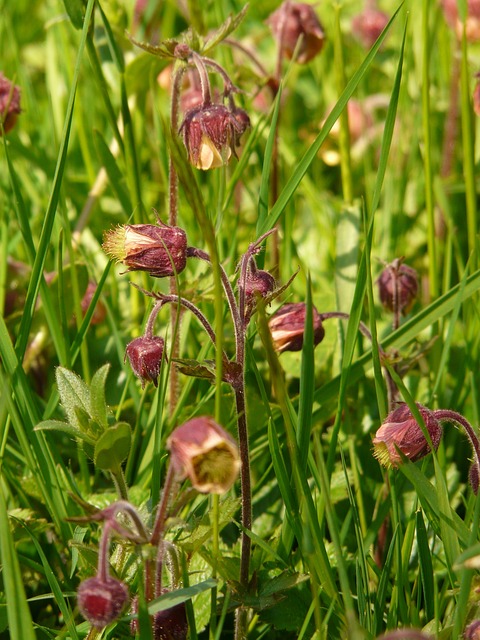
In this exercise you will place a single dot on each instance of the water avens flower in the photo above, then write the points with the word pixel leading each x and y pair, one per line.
pixel 101 601
pixel 368 25
pixel 161 250
pixel 145 355
pixel 211 133
pixel 9 103
pixel 398 286
pixel 205 453
pixel 287 327
pixel 297 28
pixel 401 432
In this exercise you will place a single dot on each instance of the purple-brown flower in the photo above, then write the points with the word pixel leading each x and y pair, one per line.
pixel 204 452
pixel 9 103
pixel 297 29
pixel 211 133
pixel 160 250
pixel 368 25
pixel 101 601
pixel 145 355
pixel 398 286
pixel 401 432
pixel 287 327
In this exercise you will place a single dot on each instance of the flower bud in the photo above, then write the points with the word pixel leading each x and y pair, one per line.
pixel 101 601
pixel 210 134
pixel 100 311
pixel 205 453
pixel 145 355
pixel 401 432
pixel 170 624
pixel 472 632
pixel 293 21
pixel 404 278
pixel 368 25
pixel 160 250
pixel 258 282
pixel 472 23
pixel 287 327
pixel 9 103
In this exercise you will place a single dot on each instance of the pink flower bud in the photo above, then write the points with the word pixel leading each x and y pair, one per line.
pixel 295 24
pixel 287 327
pixel 210 134
pixel 404 279
pixel 472 632
pixel 260 282
pixel 158 249
pixel 400 431
pixel 145 355
pixel 101 601
pixel 9 103
pixel 205 453
pixel 368 25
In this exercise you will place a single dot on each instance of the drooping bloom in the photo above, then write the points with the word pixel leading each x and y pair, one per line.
pixel 398 284
pixel 160 250
pixel 368 25
pixel 297 29
pixel 145 355
pixel 204 452
pixel 211 133
pixel 101 601
pixel 9 103
pixel 401 432
pixel 287 327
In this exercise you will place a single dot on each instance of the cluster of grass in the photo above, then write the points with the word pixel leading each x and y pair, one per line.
pixel 340 547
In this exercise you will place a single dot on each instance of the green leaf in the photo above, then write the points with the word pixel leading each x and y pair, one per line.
pixel 76 12
pixel 230 24
pixel 98 405
pixel 181 595
pixel 113 447
pixel 58 425
pixel 190 367
pixel 165 49
pixel 73 393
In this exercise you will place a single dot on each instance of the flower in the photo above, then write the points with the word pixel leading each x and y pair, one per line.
pixel 101 601
pixel 100 311
pixel 9 103
pixel 211 133
pixel 472 632
pixel 287 327
pixel 368 25
pixel 205 453
pixel 472 22
pixel 257 283
pixel 145 355
pixel 160 250
pixel 401 432
pixel 297 29
pixel 401 279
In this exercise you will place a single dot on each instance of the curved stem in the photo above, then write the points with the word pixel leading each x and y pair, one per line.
pixel 446 415
pixel 204 80
pixel 103 571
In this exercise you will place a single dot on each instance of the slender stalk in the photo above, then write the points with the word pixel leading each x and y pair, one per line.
pixel 161 516
pixel 446 415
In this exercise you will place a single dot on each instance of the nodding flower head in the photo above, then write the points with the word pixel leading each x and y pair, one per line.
pixel 101 601
pixel 211 133
pixel 160 250
pixel 287 327
pixel 205 453
pixel 145 355
pixel 368 25
pixel 297 29
pixel 9 103
pixel 401 432
pixel 400 279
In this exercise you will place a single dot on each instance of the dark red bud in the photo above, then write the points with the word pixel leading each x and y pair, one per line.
pixel 400 431
pixel 368 25
pixel 296 27
pixel 260 282
pixel 101 601
pixel 145 355
pixel 9 103
pixel 287 327
pixel 402 279
pixel 159 249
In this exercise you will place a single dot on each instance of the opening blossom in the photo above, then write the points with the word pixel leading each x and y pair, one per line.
pixel 287 327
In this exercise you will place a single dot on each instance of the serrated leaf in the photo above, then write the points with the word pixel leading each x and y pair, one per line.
pixel 165 49
pixel 228 27
pixel 196 369
pixel 73 393
pixel 282 582
pixel 98 405
pixel 113 447
pixel 58 425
